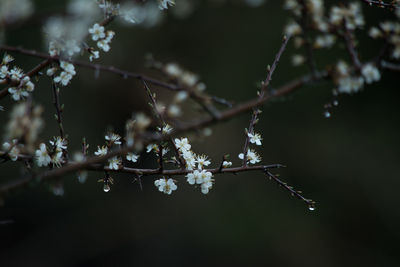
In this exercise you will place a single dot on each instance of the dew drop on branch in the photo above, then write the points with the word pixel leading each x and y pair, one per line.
pixel 106 188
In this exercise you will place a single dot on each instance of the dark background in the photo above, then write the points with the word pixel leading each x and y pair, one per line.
pixel 347 163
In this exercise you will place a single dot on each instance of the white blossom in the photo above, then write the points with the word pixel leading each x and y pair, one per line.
pixel 57 159
pixel 51 71
pixel 42 157
pixel 16 74
pixel 114 163
pixel 374 32
pixel 132 157
pixel 59 143
pixel 252 156
pixel 166 186
pixel 202 161
pixel 226 164
pixel 255 138
pixel 182 144
pixel 113 138
pixel 103 44
pixel 68 67
pixel 12 149
pixel 298 60
pixel 371 73
pixel 324 41
pixel 181 96
pixel 101 151
pixel 17 93
pixel 97 32
pixel 349 84
pixel 174 111
pixel 64 78
pixel 94 55
pixel 207 184
pixel 292 28
pixel 173 70
pixel 190 159
pixel 3 71
pixel 7 59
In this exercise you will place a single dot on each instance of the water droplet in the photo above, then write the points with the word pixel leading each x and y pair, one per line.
pixel 311 207
pixel 327 114
pixel 335 102
pixel 106 188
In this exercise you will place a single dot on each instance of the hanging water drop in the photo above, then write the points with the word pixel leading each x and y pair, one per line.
pixel 311 207
pixel 106 188
pixel 335 102
pixel 327 114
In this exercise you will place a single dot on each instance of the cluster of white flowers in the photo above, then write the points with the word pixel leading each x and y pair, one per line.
pixel 13 149
pixel 351 15
pixel 370 73
pixel 16 76
pixel 25 124
pixel 197 163
pixel 252 156
pixel 255 138
pixel 42 156
pixel 132 157
pixel 315 11
pixel 64 34
pixel 112 139
pixel 103 39
pixel 349 83
pixel 165 186
pixel 202 178
pixel 156 149
pixel 68 71
pixel 324 41
pixel 55 156
pixel 390 31
pixel 184 77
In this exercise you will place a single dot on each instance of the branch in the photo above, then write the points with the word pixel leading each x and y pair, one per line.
pixel 310 203
pixel 381 4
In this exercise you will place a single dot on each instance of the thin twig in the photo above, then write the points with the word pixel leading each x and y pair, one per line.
pixel 382 4
pixel 160 116
pixel 351 49
pixel 56 102
pixel 310 203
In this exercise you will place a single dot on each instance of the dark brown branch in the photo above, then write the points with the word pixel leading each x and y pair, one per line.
pixel 252 123
pixel 226 115
pixel 56 102
pixel 351 49
pixel 382 4
pixel 273 66
pixel 390 66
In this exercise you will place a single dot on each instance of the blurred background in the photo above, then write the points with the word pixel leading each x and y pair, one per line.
pixel 348 163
